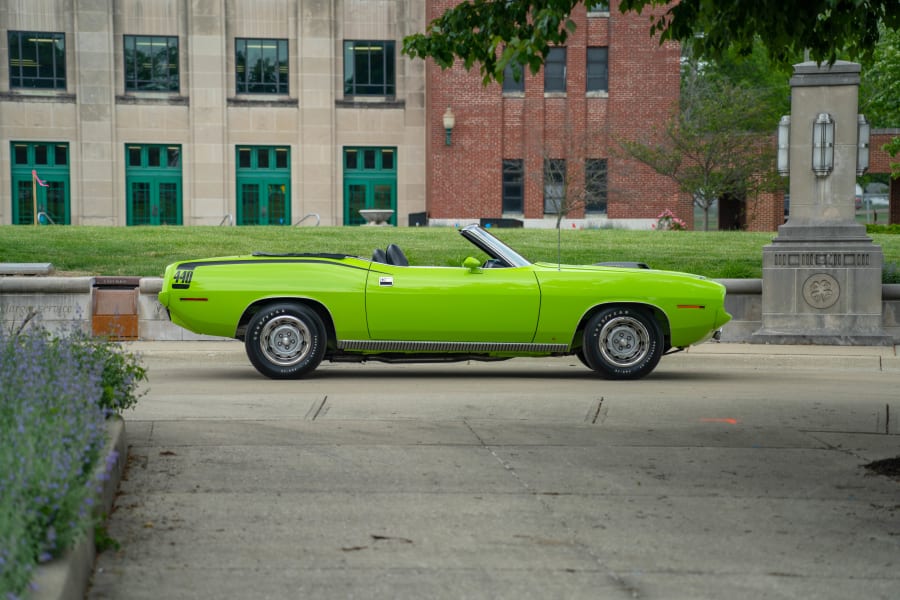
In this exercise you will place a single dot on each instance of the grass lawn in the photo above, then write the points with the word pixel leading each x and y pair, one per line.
pixel 145 251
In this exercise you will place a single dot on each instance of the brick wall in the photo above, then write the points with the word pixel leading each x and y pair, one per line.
pixel 880 162
pixel 465 178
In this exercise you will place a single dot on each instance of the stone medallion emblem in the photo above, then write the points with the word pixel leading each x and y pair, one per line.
pixel 821 291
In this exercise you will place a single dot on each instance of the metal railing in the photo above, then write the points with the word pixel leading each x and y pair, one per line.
pixel 45 219
pixel 228 219
pixel 316 215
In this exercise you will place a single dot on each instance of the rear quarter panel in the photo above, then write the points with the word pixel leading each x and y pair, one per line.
pixel 220 290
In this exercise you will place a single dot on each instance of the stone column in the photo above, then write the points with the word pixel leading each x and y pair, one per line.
pixel 822 273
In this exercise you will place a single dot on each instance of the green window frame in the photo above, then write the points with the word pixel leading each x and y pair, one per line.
pixel 263 177
pixel 151 63
pixel 261 66
pixel 47 200
pixel 369 68
pixel 37 60
pixel 153 183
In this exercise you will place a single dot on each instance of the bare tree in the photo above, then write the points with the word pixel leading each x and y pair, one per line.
pixel 573 177
pixel 715 146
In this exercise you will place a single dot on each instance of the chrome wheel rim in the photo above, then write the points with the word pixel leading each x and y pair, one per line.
pixel 624 341
pixel 285 340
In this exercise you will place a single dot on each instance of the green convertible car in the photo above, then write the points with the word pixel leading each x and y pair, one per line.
pixel 294 310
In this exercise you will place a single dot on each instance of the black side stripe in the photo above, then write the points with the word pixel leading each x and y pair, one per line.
pixel 190 266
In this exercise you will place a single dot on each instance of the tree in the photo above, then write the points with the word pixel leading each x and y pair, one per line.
pixel 493 33
pixel 879 93
pixel 573 183
pixel 715 147
pixel 893 148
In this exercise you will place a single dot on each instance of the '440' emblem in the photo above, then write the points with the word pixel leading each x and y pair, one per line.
pixel 182 279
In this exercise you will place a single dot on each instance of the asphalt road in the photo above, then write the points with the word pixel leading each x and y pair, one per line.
pixel 733 471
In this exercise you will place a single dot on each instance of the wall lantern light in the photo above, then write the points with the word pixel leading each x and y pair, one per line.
pixel 862 150
pixel 823 145
pixel 784 141
pixel 449 123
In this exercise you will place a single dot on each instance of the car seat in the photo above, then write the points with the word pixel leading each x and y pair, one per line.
pixel 396 257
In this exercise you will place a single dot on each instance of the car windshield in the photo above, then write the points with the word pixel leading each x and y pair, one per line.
pixel 493 247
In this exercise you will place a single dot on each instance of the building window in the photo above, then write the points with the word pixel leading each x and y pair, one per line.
pixel 510 85
pixel 37 60
pixel 598 8
pixel 595 185
pixel 263 185
pixel 554 185
pixel 598 69
pixel 261 66
pixel 555 70
pixel 369 68
pixel 151 63
pixel 513 186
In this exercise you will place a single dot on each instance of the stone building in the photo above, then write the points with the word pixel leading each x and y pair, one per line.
pixel 137 112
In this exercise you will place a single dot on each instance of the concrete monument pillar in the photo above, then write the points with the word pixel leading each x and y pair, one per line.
pixel 822 273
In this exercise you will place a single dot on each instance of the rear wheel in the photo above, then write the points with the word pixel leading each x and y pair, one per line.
pixel 622 342
pixel 285 341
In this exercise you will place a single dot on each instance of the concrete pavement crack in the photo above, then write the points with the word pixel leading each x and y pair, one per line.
pixel 619 581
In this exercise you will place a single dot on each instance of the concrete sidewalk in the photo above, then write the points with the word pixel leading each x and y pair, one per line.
pixel 733 471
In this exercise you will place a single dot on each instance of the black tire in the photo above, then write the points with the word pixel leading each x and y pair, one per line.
pixel 285 341
pixel 622 342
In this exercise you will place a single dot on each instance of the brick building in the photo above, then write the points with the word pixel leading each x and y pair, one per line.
pixel 880 162
pixel 516 149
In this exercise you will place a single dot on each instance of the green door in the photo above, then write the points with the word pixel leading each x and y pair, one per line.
pixel 48 202
pixel 263 203
pixel 154 201
pixel 263 185
pixel 452 304
pixel 153 184
pixel 370 181
pixel 360 195
pixel 52 206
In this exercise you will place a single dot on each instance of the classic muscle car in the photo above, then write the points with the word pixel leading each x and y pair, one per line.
pixel 294 310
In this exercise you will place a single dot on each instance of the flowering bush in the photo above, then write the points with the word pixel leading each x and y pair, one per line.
pixel 55 396
pixel 667 221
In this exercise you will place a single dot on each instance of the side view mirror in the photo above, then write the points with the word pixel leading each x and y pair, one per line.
pixel 472 264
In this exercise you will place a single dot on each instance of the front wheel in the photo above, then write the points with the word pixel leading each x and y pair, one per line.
pixel 622 342
pixel 285 341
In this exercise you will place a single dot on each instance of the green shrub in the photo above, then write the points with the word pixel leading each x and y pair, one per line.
pixel 55 396
pixel 122 372
pixel 886 229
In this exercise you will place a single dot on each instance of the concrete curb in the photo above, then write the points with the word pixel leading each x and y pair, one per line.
pixel 67 577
